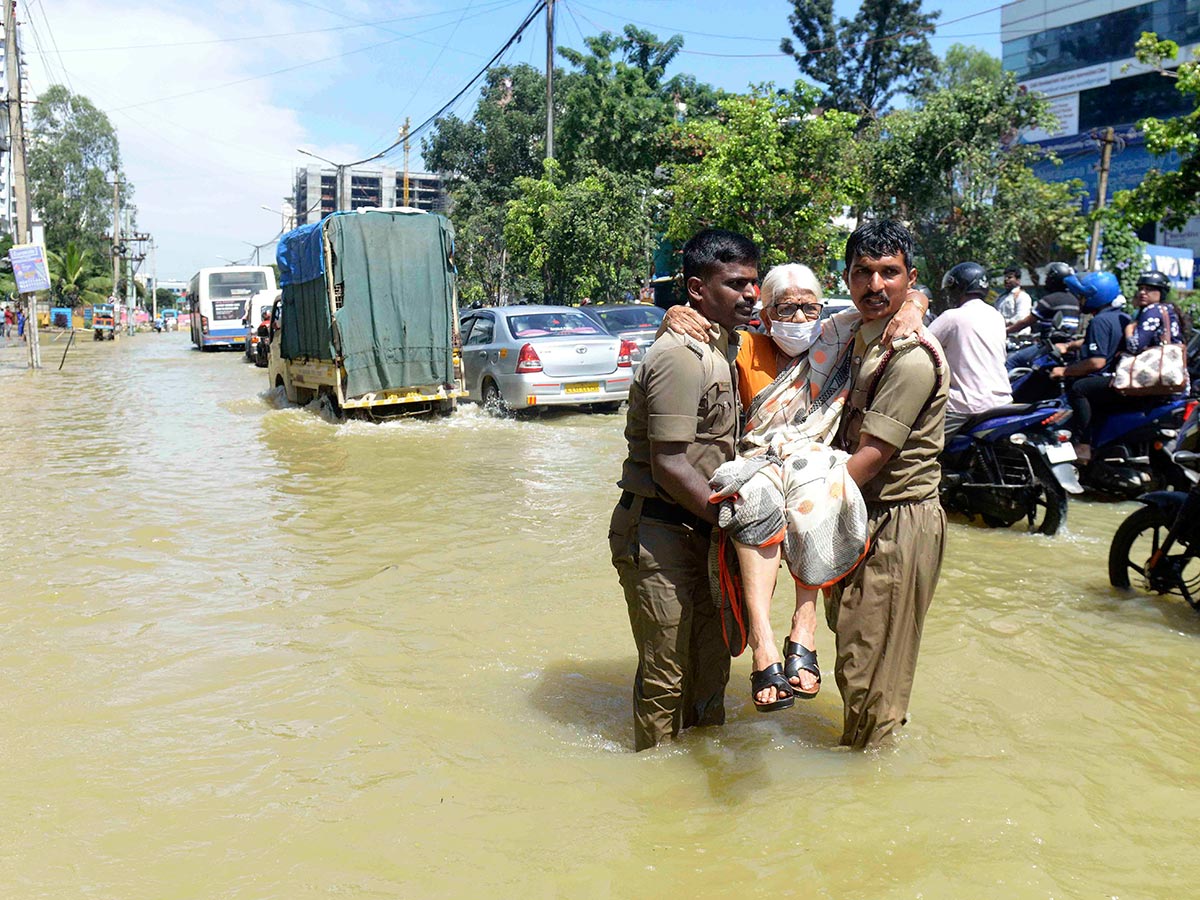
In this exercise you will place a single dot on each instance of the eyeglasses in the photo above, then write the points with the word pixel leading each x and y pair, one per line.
pixel 787 310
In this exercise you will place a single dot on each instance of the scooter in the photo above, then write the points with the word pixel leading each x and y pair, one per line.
pixel 1012 463
pixel 1157 548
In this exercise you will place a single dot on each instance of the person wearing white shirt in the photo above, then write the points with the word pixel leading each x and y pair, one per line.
pixel 1014 304
pixel 972 334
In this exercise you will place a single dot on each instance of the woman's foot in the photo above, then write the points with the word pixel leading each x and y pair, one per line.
pixel 765 689
pixel 769 682
pixel 801 669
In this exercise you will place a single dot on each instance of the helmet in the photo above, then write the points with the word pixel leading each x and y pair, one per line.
pixel 1095 290
pixel 1155 279
pixel 1056 274
pixel 964 280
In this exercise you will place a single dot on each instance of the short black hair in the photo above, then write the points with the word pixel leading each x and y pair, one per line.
pixel 1015 271
pixel 708 248
pixel 879 238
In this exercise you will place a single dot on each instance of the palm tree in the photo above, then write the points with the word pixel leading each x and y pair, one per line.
pixel 77 278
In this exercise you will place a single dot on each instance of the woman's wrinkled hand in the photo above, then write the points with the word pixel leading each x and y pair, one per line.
pixel 684 320
pixel 908 318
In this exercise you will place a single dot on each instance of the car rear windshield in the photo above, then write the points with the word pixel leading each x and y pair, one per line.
pixel 552 324
pixel 648 318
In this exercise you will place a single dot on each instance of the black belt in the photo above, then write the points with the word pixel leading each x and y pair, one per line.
pixel 665 511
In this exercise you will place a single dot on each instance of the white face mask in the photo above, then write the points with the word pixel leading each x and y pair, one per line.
pixel 793 338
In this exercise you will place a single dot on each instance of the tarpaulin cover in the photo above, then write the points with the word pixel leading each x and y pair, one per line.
pixel 299 254
pixel 397 286
pixel 396 319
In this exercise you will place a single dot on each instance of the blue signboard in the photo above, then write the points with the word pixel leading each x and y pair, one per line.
pixel 29 268
pixel 1079 157
pixel 1174 262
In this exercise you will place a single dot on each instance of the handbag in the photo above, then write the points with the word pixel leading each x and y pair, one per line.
pixel 1154 371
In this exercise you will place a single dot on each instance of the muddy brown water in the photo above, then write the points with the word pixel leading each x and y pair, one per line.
pixel 252 653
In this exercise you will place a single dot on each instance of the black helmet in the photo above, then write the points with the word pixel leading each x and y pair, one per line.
pixel 1056 274
pixel 1155 279
pixel 967 279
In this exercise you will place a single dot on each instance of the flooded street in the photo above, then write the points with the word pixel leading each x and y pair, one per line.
pixel 251 653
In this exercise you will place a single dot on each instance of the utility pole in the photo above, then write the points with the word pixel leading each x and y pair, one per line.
pixel 116 233
pixel 16 136
pixel 153 281
pixel 1101 196
pixel 549 79
pixel 404 134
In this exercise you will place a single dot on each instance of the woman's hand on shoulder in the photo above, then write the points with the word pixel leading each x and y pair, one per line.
pixel 908 318
pixel 684 320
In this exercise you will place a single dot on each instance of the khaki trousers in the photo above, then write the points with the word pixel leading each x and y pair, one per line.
pixel 877 614
pixel 683 663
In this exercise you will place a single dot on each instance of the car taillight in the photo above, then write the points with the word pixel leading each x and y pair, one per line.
pixel 626 354
pixel 528 361
pixel 204 324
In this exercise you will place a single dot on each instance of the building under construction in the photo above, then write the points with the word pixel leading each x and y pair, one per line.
pixel 317 192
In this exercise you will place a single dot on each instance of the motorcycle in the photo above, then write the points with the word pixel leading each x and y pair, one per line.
pixel 1126 445
pixel 1157 548
pixel 1012 463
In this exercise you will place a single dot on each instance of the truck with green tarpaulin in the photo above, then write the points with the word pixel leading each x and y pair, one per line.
pixel 368 314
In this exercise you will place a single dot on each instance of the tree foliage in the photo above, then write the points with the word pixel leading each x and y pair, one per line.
pixel 865 62
pixel 587 236
pixel 72 157
pixel 961 65
pixel 1172 197
pixel 78 276
pixel 951 168
pixel 770 168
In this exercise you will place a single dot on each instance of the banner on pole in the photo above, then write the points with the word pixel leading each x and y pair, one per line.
pixel 29 267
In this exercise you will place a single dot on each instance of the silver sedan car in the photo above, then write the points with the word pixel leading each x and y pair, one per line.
pixel 636 322
pixel 516 357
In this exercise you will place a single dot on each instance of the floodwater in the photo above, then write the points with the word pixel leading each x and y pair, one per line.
pixel 250 653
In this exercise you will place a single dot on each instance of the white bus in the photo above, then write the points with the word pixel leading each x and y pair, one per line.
pixel 219 299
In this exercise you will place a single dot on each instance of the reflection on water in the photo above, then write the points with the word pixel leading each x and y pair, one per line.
pixel 253 653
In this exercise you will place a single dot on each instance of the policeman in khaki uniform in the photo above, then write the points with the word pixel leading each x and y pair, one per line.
pixel 682 424
pixel 892 427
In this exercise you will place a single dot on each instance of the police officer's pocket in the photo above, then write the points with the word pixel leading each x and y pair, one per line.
pixel 716 408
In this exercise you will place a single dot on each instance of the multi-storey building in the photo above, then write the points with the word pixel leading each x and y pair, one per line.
pixel 317 190
pixel 1081 56
pixel 8 204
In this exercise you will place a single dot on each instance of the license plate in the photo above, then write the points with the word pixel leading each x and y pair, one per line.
pixel 584 387
pixel 1057 453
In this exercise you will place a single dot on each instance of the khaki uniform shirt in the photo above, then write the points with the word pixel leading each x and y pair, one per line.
pixel 898 415
pixel 684 392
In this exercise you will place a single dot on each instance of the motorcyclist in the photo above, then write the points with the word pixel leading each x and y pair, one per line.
pixel 1058 304
pixel 1090 390
pixel 972 335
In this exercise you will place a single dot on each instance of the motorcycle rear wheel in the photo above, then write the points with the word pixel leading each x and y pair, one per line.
pixel 1136 540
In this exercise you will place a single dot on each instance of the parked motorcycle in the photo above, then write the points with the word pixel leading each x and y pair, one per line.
pixel 1012 463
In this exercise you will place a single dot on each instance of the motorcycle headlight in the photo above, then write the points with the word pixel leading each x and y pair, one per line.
pixel 1018 438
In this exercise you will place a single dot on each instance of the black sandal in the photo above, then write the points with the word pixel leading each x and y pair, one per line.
pixel 796 659
pixel 772 676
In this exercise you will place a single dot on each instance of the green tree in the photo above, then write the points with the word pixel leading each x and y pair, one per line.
pixel 1122 251
pixel 962 64
pixel 587 236
pixel 770 168
pixel 1169 197
pixel 951 169
pixel 864 62
pixel 615 112
pixel 70 162
pixel 77 276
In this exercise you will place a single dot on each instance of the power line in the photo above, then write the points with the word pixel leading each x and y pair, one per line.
pixel 271 74
pixel 489 7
